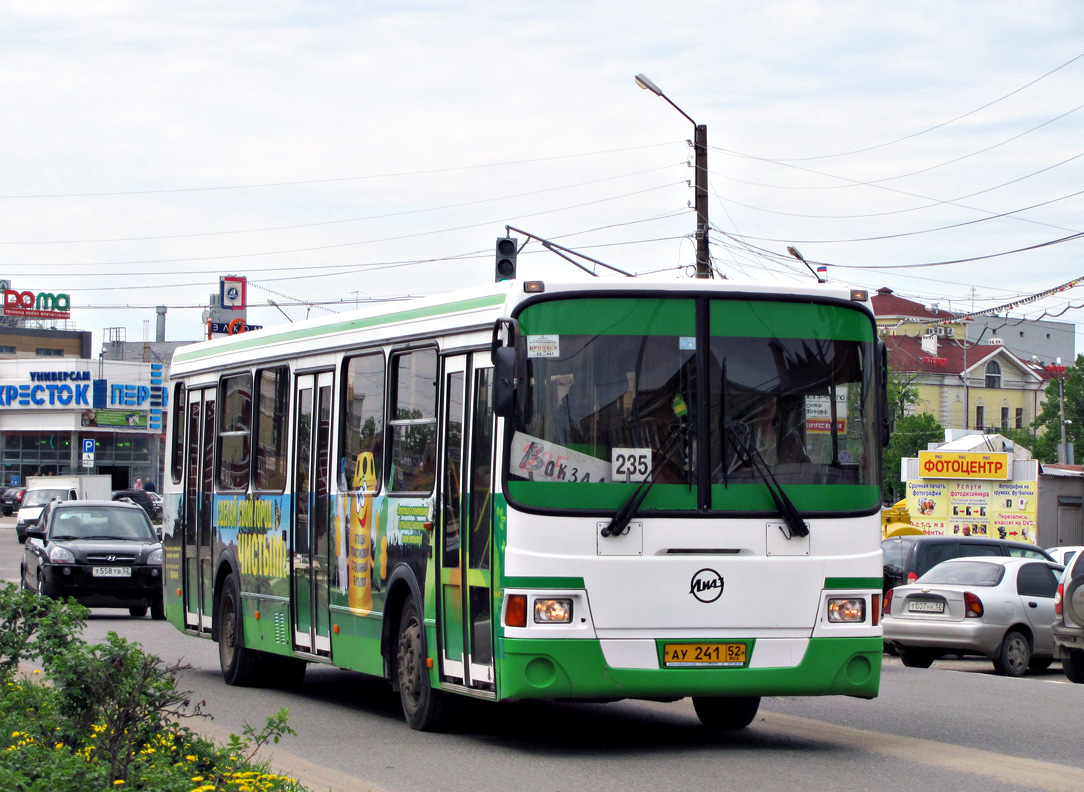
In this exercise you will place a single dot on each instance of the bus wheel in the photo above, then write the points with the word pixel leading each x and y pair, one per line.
pixel 425 709
pixel 158 610
pixel 723 713
pixel 240 666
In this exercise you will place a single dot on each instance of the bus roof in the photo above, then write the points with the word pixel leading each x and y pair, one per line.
pixel 448 313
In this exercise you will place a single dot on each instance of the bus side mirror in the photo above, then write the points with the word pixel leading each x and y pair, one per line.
pixel 504 387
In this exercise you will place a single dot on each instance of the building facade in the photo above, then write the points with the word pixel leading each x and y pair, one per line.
pixel 63 415
pixel 983 386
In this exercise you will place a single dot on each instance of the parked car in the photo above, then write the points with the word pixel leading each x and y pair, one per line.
pixel 907 558
pixel 11 500
pixel 141 498
pixel 1063 555
pixel 33 502
pixel 103 554
pixel 1069 620
pixel 998 607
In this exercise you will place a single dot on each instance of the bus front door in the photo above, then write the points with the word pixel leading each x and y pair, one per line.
pixel 312 442
pixel 198 502
pixel 465 523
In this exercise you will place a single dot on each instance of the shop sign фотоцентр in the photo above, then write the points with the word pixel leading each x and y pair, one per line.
pixel 952 465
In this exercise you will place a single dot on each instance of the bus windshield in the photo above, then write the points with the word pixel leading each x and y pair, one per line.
pixel 618 390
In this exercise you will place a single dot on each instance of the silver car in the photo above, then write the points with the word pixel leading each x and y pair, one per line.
pixel 1069 624
pixel 1000 608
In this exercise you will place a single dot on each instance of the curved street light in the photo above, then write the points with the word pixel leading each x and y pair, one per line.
pixel 700 151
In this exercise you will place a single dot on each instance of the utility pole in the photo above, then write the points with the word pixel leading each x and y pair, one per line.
pixel 1063 449
pixel 700 189
pixel 1057 370
pixel 700 150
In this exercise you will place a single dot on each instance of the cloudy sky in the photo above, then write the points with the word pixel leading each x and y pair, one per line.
pixel 337 152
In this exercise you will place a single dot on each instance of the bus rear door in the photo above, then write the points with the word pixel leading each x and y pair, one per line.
pixel 312 440
pixel 198 502
pixel 465 523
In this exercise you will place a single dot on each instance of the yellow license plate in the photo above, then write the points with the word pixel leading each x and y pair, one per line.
pixel 703 655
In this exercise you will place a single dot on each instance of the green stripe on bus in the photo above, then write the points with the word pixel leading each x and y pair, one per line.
pixel 611 316
pixel 245 341
pixel 565 495
pixel 806 497
pixel 681 497
pixel 769 319
pixel 853 583
pixel 563 668
pixel 517 581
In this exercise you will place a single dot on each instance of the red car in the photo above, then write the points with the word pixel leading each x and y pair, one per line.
pixel 11 500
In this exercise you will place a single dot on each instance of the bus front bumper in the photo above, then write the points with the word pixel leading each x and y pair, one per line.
pixel 569 668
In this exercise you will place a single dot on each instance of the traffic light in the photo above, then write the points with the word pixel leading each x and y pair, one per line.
pixel 507 247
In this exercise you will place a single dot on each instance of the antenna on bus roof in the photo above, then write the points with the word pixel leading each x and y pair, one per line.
pixel 561 250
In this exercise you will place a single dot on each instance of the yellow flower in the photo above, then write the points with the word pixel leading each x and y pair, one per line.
pixel 190 758
pixel 197 779
pixel 118 782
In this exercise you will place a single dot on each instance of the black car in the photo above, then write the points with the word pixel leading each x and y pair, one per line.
pixel 141 498
pixel 103 554
pixel 11 500
pixel 907 558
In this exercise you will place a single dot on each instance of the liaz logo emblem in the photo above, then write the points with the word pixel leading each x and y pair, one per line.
pixel 706 585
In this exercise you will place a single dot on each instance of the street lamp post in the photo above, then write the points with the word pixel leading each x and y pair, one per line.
pixel 700 157
pixel 1057 370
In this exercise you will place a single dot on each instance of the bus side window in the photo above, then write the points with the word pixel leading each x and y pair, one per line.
pixel 362 422
pixel 413 424
pixel 234 436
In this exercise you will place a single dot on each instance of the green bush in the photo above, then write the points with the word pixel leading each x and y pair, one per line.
pixel 107 716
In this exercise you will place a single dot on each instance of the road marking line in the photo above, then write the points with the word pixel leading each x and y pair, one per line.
pixel 1012 770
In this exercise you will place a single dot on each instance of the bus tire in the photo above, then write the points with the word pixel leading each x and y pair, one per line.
pixel 726 713
pixel 424 709
pixel 241 666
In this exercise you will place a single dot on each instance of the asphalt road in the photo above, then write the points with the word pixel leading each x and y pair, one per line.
pixel 956 726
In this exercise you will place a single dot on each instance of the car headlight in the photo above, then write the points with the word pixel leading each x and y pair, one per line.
pixel 553 611
pixel 849 609
pixel 155 557
pixel 60 555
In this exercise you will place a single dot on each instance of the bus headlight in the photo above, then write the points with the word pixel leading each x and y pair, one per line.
pixel 553 611
pixel 850 609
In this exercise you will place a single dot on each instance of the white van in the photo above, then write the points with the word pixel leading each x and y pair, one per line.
pixel 33 502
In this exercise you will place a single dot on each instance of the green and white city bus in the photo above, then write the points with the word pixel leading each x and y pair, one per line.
pixel 603 490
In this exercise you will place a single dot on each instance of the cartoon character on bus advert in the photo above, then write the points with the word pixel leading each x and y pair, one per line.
pixel 354 532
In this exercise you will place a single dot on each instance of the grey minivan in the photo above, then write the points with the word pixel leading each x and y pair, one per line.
pixel 907 558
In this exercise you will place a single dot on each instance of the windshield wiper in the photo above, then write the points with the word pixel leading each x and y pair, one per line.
pixel 620 521
pixel 795 524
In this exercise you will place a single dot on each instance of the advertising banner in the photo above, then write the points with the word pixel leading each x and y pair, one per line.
pixel 1000 509
pixel 963 465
